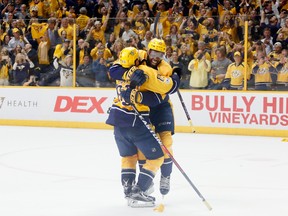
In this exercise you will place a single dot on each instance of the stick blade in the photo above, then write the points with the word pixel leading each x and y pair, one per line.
pixel 159 208
pixel 207 205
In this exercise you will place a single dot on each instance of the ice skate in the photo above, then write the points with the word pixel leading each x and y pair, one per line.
pixel 127 188
pixel 164 185
pixel 139 199
pixel 150 190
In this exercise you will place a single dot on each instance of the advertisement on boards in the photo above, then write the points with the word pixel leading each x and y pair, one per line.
pixel 223 109
pixel 237 109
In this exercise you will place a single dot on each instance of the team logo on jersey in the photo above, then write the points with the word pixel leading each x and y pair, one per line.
pixel 263 71
pixel 1 101
pixel 236 73
pixel 66 72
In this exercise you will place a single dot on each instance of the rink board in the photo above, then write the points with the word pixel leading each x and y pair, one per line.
pixel 220 112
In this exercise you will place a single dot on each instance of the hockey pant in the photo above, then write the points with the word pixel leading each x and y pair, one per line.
pixel 166 167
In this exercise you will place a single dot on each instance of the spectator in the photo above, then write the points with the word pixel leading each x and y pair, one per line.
pixel 36 8
pixel 120 20
pixel 62 50
pixel 85 77
pixel 98 31
pixel 116 48
pixel 101 73
pixel 23 13
pixel 234 78
pixel 66 27
pixel 262 71
pixel 15 40
pixel 281 38
pixel 199 67
pixel 275 54
pixel 31 54
pixel 203 47
pixel 140 25
pixel 43 54
pixel 53 36
pixel 128 32
pixel 5 66
pixel 82 50
pixel 147 39
pixel 168 54
pixel 5 42
pixel 8 10
pixel 267 40
pixel 219 68
pixel 20 70
pixel 100 51
pixel 82 20
pixel 112 39
pixel 61 76
pixel 189 27
pixel 282 75
pixel 184 58
pixel 174 34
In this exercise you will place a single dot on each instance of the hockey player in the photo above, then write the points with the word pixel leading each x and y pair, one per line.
pixel 161 115
pixel 130 132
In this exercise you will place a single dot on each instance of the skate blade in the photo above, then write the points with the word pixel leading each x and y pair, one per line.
pixel 140 204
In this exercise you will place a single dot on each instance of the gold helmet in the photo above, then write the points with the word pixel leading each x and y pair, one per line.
pixel 157 45
pixel 128 57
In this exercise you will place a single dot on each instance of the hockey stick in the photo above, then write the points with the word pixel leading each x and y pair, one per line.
pixel 185 110
pixel 155 24
pixel 171 156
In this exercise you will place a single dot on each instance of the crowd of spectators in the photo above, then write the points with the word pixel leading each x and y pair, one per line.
pixel 203 37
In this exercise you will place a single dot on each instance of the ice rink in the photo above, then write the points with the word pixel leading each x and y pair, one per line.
pixel 76 172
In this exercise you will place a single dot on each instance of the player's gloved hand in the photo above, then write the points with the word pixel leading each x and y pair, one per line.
pixel 127 75
pixel 178 71
pixel 137 78
pixel 131 96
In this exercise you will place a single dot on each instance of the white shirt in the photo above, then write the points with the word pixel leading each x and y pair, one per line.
pixel 127 34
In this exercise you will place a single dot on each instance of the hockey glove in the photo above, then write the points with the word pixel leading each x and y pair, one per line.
pixel 131 96
pixel 178 71
pixel 127 75
pixel 137 78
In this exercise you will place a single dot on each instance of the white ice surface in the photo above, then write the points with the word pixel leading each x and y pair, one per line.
pixel 76 172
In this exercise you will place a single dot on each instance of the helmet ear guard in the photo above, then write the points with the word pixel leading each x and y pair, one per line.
pixel 157 45
pixel 128 57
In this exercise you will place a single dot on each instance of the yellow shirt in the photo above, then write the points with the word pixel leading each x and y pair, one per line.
pixel 199 73
pixel 4 72
pixel 99 35
pixel 82 21
pixel 94 53
pixel 39 7
pixel 68 30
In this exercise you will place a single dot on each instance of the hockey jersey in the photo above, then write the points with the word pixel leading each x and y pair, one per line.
pixel 154 92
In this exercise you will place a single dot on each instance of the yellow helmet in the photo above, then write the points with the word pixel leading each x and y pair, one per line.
pixel 157 45
pixel 128 57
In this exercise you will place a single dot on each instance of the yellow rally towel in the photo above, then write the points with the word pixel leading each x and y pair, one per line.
pixel 38 29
